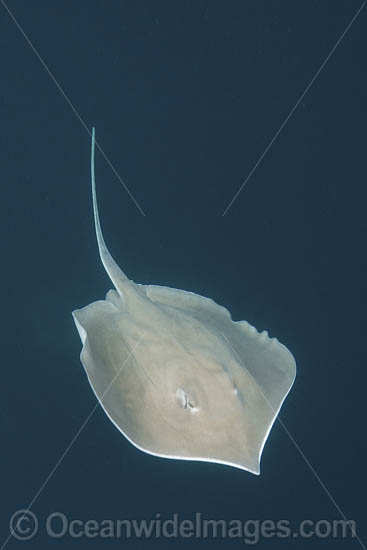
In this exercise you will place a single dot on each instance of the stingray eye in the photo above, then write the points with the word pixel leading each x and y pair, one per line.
pixel 184 400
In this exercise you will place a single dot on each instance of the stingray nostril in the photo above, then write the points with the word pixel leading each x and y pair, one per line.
pixel 183 400
pixel 181 397
pixel 191 404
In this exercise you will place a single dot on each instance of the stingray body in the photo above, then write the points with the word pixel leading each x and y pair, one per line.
pixel 176 375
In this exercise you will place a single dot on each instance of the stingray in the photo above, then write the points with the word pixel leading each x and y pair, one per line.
pixel 175 374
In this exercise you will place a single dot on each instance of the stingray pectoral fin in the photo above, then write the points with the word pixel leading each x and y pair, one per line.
pixel 110 364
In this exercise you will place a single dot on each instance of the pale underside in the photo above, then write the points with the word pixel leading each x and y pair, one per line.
pixel 176 375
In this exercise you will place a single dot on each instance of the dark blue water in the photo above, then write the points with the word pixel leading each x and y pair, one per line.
pixel 186 97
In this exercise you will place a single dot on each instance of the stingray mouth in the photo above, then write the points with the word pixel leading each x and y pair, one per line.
pixel 184 401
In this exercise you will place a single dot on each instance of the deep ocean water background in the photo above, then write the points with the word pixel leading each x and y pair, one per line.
pixel 186 97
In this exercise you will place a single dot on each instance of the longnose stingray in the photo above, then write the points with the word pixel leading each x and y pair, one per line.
pixel 176 375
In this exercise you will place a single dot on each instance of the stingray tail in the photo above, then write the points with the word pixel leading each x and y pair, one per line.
pixel 117 276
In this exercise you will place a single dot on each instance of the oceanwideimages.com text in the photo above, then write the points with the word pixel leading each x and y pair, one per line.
pixel 24 525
